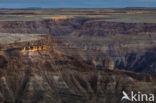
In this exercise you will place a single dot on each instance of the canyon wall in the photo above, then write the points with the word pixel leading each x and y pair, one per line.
pixel 128 44
pixel 50 76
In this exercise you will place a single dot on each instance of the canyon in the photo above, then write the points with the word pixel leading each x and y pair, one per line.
pixel 50 76
pixel 130 45
pixel 88 58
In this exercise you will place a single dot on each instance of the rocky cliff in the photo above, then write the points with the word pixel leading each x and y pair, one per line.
pixel 50 76
pixel 53 27
pixel 126 43
pixel 82 27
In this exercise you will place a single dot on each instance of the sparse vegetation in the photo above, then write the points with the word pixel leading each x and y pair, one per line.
pixel 116 15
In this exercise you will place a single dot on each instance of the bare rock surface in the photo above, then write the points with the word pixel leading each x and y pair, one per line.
pixel 58 78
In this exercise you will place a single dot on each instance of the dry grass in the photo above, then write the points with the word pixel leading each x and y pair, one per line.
pixel 115 15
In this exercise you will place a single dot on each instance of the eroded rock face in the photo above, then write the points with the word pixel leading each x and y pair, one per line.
pixel 69 86
pixel 103 28
pixel 118 41
pixel 56 28
pixel 3 60
pixel 54 77
pixel 79 27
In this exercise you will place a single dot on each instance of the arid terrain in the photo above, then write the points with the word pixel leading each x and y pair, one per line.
pixel 76 55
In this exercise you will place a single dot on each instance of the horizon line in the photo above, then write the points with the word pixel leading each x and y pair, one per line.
pixel 75 8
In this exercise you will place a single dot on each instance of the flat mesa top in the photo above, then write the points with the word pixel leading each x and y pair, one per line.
pixel 7 38
pixel 130 15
